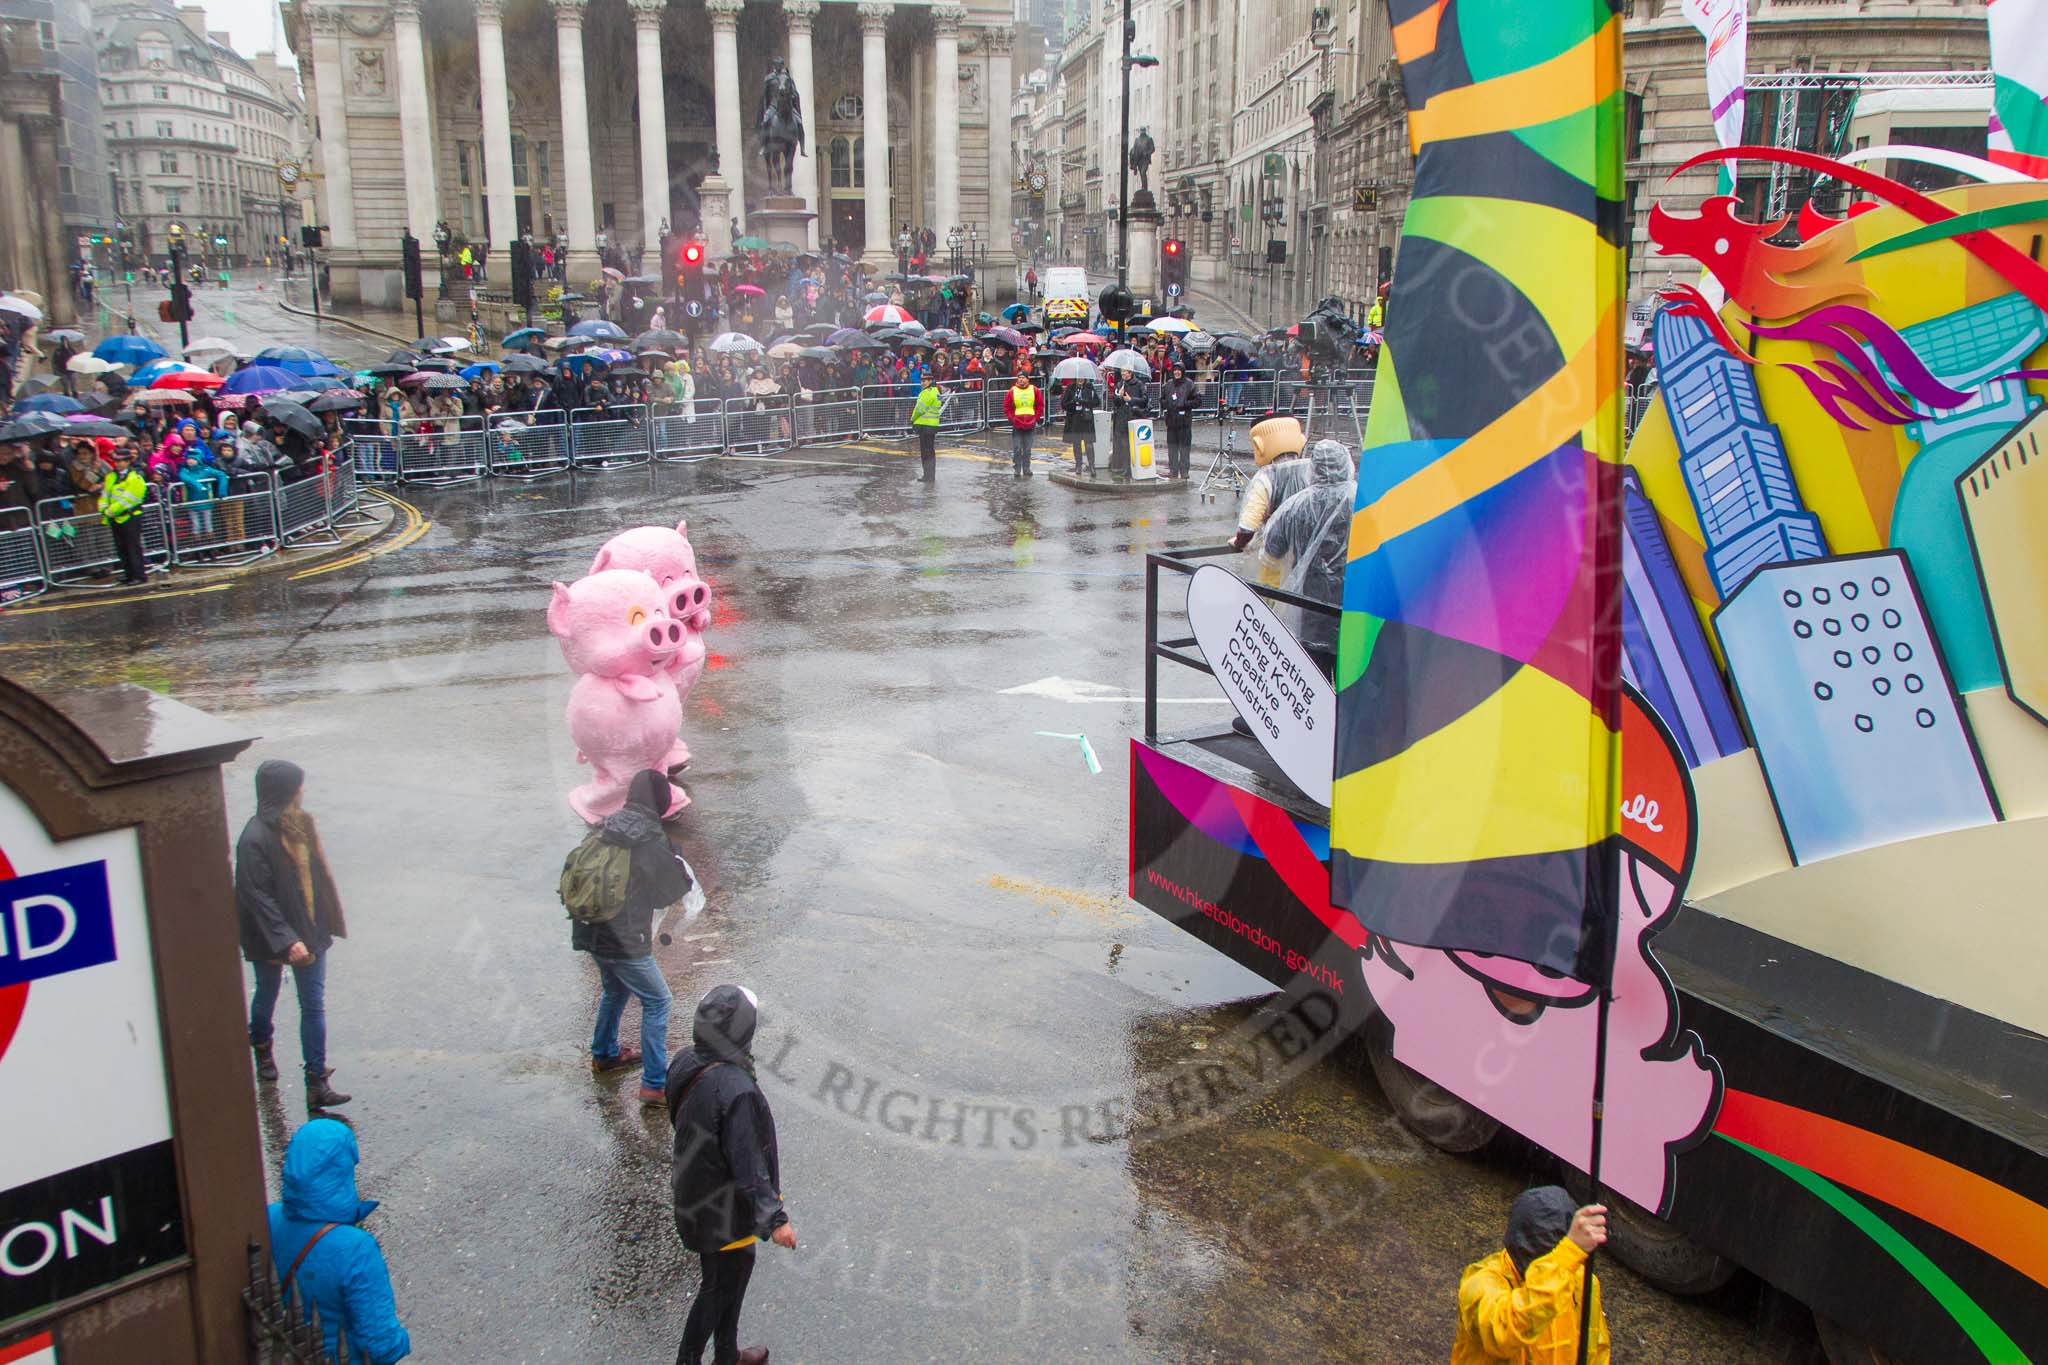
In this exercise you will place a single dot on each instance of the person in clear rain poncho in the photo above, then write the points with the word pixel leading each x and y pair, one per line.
pixel 1311 534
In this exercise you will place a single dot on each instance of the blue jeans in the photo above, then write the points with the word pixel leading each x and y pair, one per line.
pixel 636 976
pixel 310 982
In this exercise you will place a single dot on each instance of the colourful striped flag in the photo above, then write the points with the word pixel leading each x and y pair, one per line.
pixel 2019 73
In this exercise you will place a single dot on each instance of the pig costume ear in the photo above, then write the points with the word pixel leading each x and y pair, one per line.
pixel 558 613
pixel 683 529
pixel 603 560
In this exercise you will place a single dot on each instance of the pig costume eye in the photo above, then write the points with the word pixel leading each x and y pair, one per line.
pixel 635 617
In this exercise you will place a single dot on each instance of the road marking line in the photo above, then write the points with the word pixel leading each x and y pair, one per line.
pixel 416 526
pixel 112 601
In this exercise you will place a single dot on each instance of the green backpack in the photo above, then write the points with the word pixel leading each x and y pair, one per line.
pixel 594 879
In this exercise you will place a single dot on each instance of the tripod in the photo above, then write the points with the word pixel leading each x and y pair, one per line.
pixel 1333 402
pixel 1223 471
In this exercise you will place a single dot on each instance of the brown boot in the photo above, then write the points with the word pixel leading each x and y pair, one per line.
pixel 321 1095
pixel 754 1355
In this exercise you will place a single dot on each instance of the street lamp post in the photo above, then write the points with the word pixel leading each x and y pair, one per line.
pixel 1123 190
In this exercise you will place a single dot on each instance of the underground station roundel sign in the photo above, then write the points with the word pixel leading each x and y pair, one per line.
pixel 88 1183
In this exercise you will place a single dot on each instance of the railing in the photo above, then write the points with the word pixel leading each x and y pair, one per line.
pixel 1175 650
pixel 610 438
pixel 58 546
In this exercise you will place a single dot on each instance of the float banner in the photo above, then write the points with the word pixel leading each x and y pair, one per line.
pixel 1725 26
pixel 1475 802
pixel 2019 81
pixel 1283 697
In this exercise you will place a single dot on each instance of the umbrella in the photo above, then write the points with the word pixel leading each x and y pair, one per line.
pixel 520 337
pixel 750 290
pixel 188 379
pixel 390 369
pixel 336 400
pixel 888 313
pixel 1047 353
pixel 128 350
pixel 845 336
pixel 751 244
pixel 643 281
pixel 823 329
pixel 403 356
pixel 35 383
pixel 565 343
pixel 1201 343
pixel 1034 328
pixel 610 355
pixel 1076 367
pixel 732 343
pixel 415 378
pixel 209 346
pixel 654 353
pixel 914 344
pixel 570 362
pixel 818 353
pixel 1006 336
pixel 34 426
pixel 154 396
pixel 1230 341
pixel 662 339
pixel 444 383
pixel 787 350
pixel 860 341
pixel 875 297
pixel 984 320
pixel 944 334
pixel 89 364
pixel 445 346
pixel 153 371
pixel 260 379
pixel 436 364
pixel 14 303
pixel 1172 326
pixel 98 426
pixel 298 360
pixel 64 334
pixel 612 274
pixel 1017 312
pixel 50 402
pixel 1082 339
pixel 890 335
pixel 519 363
pixel 1128 361
pixel 295 418
pixel 911 327
pixel 598 328
pixel 478 370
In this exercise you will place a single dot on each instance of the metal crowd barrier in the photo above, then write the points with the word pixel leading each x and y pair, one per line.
pixel 1640 400
pixel 239 528
pixel 834 417
pixel 522 449
pixel 885 410
pixel 609 438
pixel 374 445
pixel 22 571
pixel 688 431
pixel 345 494
pixel 442 450
pixel 963 406
pixel 83 546
pixel 761 423
pixel 303 514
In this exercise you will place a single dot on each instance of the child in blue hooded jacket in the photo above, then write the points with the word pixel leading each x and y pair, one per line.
pixel 319 1254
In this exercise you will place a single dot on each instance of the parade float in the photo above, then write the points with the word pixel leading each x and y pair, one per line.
pixel 1708 780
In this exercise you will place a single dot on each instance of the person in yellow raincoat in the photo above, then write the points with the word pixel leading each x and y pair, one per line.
pixel 1521 1304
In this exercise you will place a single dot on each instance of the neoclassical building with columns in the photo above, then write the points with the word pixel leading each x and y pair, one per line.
pixel 597 120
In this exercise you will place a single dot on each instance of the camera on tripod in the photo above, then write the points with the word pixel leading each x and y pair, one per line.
pixel 1329 337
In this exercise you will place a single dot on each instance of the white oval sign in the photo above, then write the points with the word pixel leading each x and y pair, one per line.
pixel 1285 699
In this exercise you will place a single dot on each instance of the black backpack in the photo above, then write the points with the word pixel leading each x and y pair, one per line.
pixel 594 876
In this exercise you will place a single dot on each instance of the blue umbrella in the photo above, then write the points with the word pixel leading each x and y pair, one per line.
pixel 128 350
pixel 521 337
pixel 1016 311
pixel 570 362
pixel 612 356
pixel 50 402
pixel 479 370
pixel 599 328
pixel 299 360
pixel 260 379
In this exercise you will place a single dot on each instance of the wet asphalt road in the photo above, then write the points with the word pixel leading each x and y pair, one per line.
pixel 928 898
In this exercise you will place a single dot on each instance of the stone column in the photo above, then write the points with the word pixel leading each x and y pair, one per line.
pixel 801 14
pixel 1002 254
pixel 946 21
pixel 497 119
pixel 725 75
pixel 338 186
pixel 416 137
pixel 874 99
pixel 575 163
pixel 39 136
pixel 653 124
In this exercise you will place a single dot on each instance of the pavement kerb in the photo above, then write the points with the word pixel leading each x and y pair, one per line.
pixel 396 518
pixel 331 316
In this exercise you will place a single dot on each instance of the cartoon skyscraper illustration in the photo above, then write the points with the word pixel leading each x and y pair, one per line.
pixel 1731 456
pixel 1857 724
pixel 1665 654
pixel 2005 508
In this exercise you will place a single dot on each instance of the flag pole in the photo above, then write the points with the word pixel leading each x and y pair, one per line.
pixel 1593 1161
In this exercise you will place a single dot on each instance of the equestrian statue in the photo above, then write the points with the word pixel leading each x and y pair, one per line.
pixel 781 126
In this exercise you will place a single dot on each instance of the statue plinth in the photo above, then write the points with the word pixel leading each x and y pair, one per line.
pixel 782 218
pixel 1143 202
pixel 714 209
pixel 1143 274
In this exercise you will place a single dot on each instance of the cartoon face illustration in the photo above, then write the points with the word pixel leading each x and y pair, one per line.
pixel 1518 1042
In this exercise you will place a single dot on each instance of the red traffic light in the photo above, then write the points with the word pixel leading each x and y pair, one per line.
pixel 693 253
pixel 1173 246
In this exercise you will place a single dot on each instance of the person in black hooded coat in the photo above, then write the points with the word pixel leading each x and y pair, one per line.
pixel 727 1174
pixel 289 914
pixel 623 946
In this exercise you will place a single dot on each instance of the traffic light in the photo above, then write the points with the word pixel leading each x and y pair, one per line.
pixel 414 286
pixel 1173 266
pixel 180 305
pixel 693 284
pixel 1115 303
pixel 309 234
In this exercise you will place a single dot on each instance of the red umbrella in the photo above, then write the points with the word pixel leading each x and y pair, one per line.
pixel 754 289
pixel 189 379
pixel 416 377
pixel 1295 330
pixel 1081 339
pixel 888 312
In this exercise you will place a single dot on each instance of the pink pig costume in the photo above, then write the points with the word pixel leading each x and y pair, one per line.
pixel 625 711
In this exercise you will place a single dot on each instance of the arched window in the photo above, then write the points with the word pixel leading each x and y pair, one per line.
pixel 860 163
pixel 842 164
